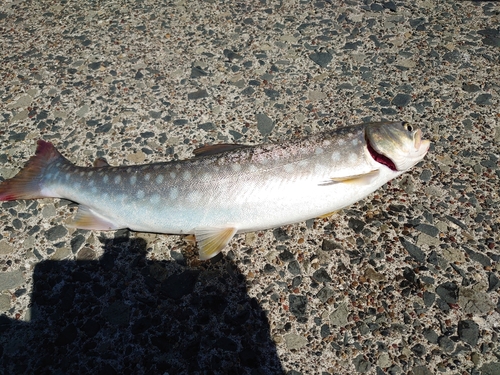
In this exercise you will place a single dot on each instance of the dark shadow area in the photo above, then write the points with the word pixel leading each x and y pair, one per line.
pixel 125 314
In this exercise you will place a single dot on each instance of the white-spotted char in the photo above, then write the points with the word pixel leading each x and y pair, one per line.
pixel 226 189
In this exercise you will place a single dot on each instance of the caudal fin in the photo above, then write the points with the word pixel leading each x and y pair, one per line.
pixel 27 184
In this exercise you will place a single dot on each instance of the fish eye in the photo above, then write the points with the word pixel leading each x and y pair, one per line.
pixel 408 126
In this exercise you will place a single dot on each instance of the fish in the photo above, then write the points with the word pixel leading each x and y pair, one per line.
pixel 226 189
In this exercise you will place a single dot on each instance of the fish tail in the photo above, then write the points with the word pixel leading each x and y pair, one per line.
pixel 28 183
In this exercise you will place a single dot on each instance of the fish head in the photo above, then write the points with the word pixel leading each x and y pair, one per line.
pixel 398 145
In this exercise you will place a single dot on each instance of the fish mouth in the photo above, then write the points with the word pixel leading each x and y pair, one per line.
pixel 422 146
pixel 380 158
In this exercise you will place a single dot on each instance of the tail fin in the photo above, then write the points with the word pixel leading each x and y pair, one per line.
pixel 27 184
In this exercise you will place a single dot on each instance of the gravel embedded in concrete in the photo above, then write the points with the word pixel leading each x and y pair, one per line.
pixel 405 281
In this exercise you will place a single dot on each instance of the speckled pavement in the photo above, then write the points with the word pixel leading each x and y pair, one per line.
pixel 404 282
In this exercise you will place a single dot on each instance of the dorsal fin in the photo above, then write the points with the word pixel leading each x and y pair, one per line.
pixel 217 149
pixel 101 162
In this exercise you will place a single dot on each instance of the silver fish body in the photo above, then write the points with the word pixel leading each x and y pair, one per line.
pixel 240 190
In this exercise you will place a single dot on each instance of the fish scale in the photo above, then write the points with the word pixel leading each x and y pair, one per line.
pixel 226 189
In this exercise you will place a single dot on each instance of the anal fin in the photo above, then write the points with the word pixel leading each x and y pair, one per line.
pixel 212 240
pixel 327 214
pixel 85 218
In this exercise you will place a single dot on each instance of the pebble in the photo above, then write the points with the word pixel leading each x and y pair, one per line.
pixel 421 370
pixel 320 275
pixel 401 100
pixel 4 302
pixel 200 94
pixel 321 58
pixel 475 302
pixel 361 364
pixel 265 125
pixel 490 368
pixel 446 344
pixel 339 316
pixel 298 306
pixel 484 99
pixel 294 341
pixel 325 293
pixel 56 233
pixel 5 248
pixel 431 336
pixel 468 331
pixel 413 250
pixel 448 291
pixel 11 280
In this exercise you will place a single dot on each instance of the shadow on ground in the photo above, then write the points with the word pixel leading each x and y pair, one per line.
pixel 125 314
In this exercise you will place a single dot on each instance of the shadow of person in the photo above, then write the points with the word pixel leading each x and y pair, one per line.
pixel 125 314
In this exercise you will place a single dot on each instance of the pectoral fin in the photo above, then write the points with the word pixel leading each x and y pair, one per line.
pixel 212 240
pixel 85 218
pixel 363 178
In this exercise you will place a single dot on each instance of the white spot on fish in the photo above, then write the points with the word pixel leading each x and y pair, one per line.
pixel 341 142
pixel 186 176
pixel 289 168
pixel 303 163
pixel 172 174
pixel 93 190
pixel 155 199
pixel 129 170
pixel 117 179
pixel 352 158
pixel 326 142
pixel 319 169
pixel 58 164
pixel 77 186
pixel 157 166
pixel 355 142
pixel 105 179
pixel 66 177
pixel 336 156
pixel 318 151
pixel 236 167
pixel 133 180
pixel 174 193
pixel 252 168
pixel 140 194
pixel 147 176
pixel 82 173
pixel 194 196
pixel 90 173
pixel 159 179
